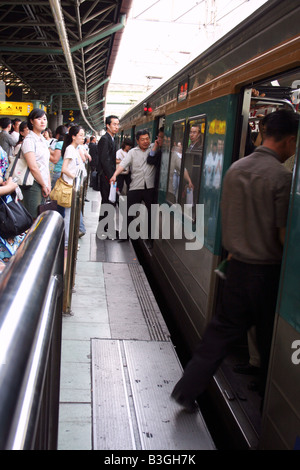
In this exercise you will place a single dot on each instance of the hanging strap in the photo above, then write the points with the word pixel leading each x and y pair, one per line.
pixel 15 162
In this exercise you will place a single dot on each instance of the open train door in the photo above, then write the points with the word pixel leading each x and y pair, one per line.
pixel 281 414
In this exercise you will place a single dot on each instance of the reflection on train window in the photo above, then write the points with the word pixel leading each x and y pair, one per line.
pixel 177 137
pixel 212 174
pixel 192 163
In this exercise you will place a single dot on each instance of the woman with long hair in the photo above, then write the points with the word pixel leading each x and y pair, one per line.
pixel 71 165
pixel 36 153
pixel 57 159
pixel 23 131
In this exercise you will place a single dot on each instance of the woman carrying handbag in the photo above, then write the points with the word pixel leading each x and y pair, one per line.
pixel 8 245
pixel 71 165
pixel 57 159
pixel 36 154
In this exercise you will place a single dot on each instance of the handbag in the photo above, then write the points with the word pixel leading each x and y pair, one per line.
pixel 19 170
pixel 95 181
pixel 47 205
pixel 14 217
pixel 62 193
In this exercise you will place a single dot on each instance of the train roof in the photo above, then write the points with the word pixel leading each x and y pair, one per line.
pixel 270 25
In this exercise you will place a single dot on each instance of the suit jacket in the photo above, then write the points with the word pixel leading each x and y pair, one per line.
pixel 93 151
pixel 106 156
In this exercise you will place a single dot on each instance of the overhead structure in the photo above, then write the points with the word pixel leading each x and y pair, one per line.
pixel 62 52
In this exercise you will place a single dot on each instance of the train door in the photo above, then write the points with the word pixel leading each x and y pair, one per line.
pixel 268 96
pixel 158 124
pixel 281 417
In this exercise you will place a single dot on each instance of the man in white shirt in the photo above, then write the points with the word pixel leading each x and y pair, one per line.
pixel 142 186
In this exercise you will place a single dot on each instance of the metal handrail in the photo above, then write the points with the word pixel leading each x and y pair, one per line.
pixel 76 207
pixel 31 295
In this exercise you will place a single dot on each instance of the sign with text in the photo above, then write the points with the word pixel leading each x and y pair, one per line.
pixel 12 108
pixel 71 116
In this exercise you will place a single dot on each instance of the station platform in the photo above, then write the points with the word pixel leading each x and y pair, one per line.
pixel 119 365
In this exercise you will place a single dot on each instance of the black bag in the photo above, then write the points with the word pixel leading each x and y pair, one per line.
pixel 47 205
pixel 14 217
pixel 95 181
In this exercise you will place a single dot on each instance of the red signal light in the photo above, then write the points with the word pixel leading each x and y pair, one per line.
pixel 147 109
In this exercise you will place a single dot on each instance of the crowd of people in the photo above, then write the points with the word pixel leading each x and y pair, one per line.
pixel 48 156
pixel 137 165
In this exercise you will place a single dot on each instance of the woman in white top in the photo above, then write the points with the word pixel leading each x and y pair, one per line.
pixel 71 165
pixel 125 175
pixel 36 153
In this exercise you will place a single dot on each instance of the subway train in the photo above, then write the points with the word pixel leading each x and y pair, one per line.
pixel 225 92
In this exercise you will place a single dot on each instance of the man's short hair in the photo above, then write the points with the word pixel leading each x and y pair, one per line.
pixel 5 122
pixel 281 124
pixel 142 132
pixel 109 119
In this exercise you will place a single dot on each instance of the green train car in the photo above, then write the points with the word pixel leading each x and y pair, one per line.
pixel 225 92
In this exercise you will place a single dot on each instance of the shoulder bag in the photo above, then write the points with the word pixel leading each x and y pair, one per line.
pixel 62 193
pixel 14 217
pixel 19 170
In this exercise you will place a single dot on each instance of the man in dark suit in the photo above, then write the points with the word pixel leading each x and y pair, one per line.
pixel 107 159
pixel 93 151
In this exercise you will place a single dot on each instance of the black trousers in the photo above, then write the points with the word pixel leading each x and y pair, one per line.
pixel 249 298
pixel 104 190
pixel 137 196
pixel 120 181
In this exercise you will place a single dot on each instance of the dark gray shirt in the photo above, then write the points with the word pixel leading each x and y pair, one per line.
pixel 255 200
pixel 8 141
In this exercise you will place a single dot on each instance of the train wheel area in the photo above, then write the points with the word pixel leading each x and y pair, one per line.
pixel 118 363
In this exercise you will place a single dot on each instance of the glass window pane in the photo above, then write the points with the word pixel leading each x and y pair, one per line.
pixel 175 161
pixel 192 162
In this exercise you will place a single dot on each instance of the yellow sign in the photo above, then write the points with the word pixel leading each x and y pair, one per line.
pixel 217 127
pixel 13 108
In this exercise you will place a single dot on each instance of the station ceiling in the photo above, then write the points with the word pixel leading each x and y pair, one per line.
pixel 62 52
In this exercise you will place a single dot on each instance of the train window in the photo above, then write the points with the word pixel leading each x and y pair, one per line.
pixel 192 163
pixel 178 131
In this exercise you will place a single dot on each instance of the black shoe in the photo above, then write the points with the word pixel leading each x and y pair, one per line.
pixel 246 369
pixel 189 405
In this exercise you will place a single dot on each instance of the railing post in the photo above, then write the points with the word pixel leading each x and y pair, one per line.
pixel 77 196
